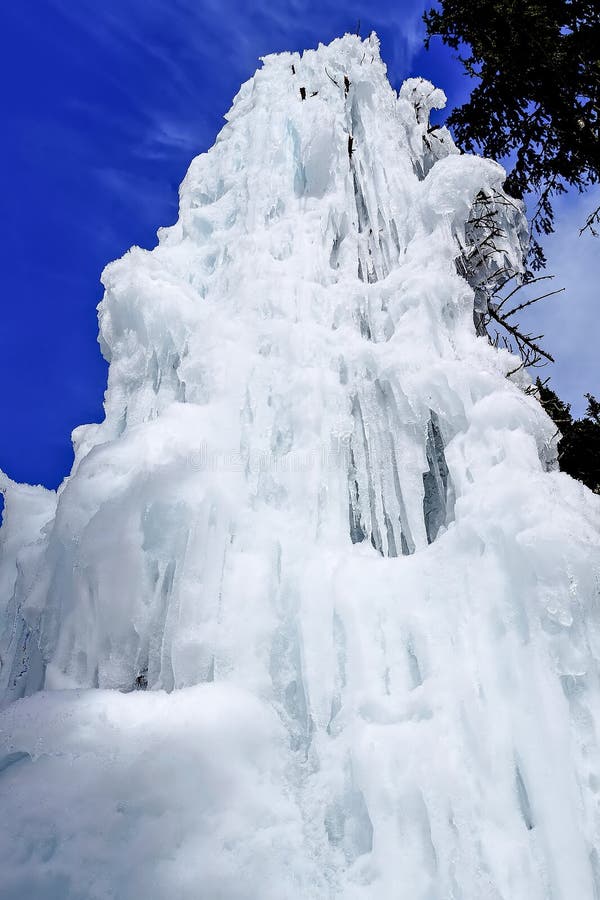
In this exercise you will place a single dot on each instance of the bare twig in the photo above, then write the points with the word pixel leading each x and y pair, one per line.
pixel 521 285
pixel 592 222
pixel 529 302
pixel 520 337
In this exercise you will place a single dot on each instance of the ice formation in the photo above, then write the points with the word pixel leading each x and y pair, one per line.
pixel 314 614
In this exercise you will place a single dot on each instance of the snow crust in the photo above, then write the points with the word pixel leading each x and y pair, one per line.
pixel 314 614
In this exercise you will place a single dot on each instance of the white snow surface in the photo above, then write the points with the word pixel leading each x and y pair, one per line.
pixel 324 530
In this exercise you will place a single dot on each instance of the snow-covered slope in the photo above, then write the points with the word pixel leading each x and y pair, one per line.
pixel 314 615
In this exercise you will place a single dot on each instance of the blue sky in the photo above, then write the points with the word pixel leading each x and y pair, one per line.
pixel 105 106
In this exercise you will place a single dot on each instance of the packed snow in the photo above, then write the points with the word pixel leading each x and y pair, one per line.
pixel 314 614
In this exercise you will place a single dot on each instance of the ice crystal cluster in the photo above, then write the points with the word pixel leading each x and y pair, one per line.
pixel 314 615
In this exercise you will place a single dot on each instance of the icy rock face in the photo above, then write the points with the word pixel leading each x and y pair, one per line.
pixel 322 531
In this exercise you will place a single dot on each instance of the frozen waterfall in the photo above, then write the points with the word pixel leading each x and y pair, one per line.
pixel 314 614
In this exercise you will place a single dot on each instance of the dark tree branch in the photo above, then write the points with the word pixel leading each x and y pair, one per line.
pixel 592 222
pixel 520 337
